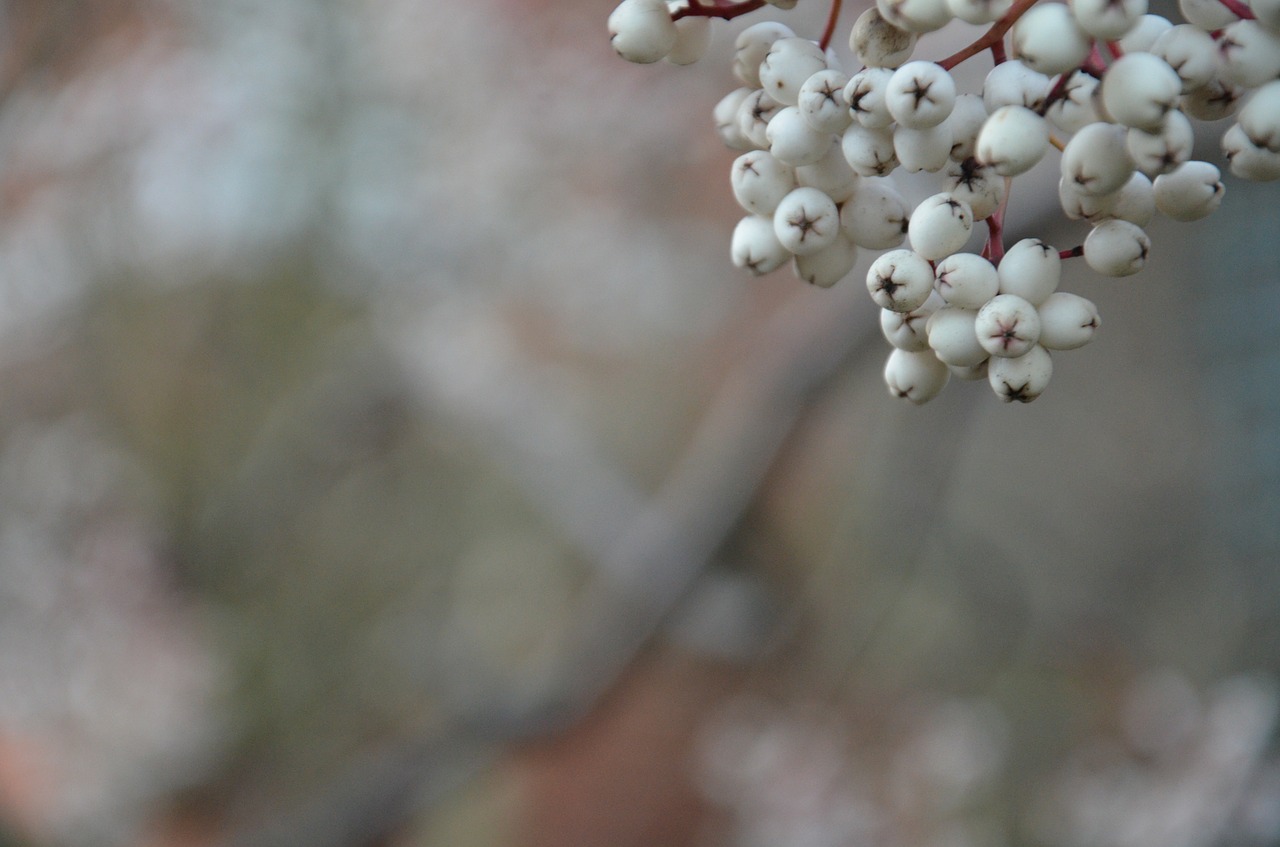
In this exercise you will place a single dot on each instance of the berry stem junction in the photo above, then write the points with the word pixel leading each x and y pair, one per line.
pixel 991 37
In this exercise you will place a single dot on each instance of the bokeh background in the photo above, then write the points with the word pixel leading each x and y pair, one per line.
pixel 390 455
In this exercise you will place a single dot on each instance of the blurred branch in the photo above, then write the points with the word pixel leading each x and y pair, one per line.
pixel 648 554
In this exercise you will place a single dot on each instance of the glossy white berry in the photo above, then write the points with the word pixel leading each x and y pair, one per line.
pixel 869 151
pixel 953 337
pixel 966 280
pixel 939 227
pixel 1139 89
pixel 831 175
pixel 979 12
pixel 1160 152
pixel 642 31
pixel 915 15
pixel 1021 379
pixel 1075 109
pixel 793 140
pixel 906 330
pixel 1191 52
pixel 693 36
pixel 752 45
pixel 1108 20
pixel 1067 321
pixel 920 95
pixel 923 149
pixel 725 117
pixel 876 215
pixel 865 95
pixel 1135 202
pixel 822 102
pixel 754 114
pixel 1077 205
pixel 1030 269
pixel 878 43
pixel 1007 326
pixel 806 221
pixel 755 246
pixel 789 62
pixel 1209 15
pixel 1249 53
pixel 1012 83
pixel 759 181
pixel 1260 117
pixel 1117 248
pixel 1096 160
pixel 1048 39
pixel 900 280
pixel 829 265
pixel 1012 140
pixel 977 185
pixel 1191 192
pixel 1144 33
pixel 1246 159
pixel 917 377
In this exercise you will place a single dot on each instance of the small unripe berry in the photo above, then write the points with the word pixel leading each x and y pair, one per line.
pixel 922 149
pixel 865 95
pixel 759 181
pixel 906 330
pixel 1249 53
pixel 725 116
pixel 822 102
pixel 875 216
pixel 754 114
pixel 1012 83
pixel 1260 117
pixel 1075 109
pixel 1161 151
pixel 1247 160
pixel 976 185
pixel 793 140
pixel 1096 161
pixel 869 151
pixel 1191 52
pixel 1212 102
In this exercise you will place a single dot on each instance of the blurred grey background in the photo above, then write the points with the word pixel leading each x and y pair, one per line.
pixel 390 455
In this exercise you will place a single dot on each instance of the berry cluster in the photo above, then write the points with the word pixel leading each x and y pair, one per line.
pixel 1112 87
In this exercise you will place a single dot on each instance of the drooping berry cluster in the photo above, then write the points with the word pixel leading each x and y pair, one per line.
pixel 1113 88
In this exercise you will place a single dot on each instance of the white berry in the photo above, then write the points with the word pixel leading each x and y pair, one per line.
pixel 865 96
pixel 1048 39
pixel 1192 191
pixel 939 227
pixel 806 221
pixel 920 95
pixel 1247 160
pixel 693 36
pixel 1012 140
pixel 789 62
pixel 1030 269
pixel 1108 20
pixel 1067 321
pixel 642 31
pixel 793 140
pixel 966 280
pixel 1023 378
pixel 822 102
pixel 953 337
pixel 977 185
pixel 917 377
pixel 869 151
pixel 1160 152
pixel 755 246
pixel 759 181
pixel 1139 89
pixel 752 45
pixel 900 280
pixel 1007 326
pixel 878 43
pixel 906 330
pixel 923 149
pixel 1117 248
pixel 825 267
pixel 875 216
pixel 1096 160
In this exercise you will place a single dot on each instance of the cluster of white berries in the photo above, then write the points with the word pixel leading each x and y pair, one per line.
pixel 1112 87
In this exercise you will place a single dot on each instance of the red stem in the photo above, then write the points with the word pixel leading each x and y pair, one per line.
pixel 994 249
pixel 1114 48
pixel 1056 93
pixel 991 37
pixel 832 16
pixel 1240 10
pixel 1078 250
pixel 728 11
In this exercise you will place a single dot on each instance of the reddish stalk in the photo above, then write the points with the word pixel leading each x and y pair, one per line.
pixel 994 249
pixel 1240 10
pixel 1095 65
pixel 832 16
pixel 998 55
pixel 1114 48
pixel 1056 93
pixel 727 11
pixel 1078 250
pixel 991 37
